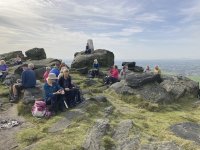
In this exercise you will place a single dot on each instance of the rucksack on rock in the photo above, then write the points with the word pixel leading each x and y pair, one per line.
pixel 40 110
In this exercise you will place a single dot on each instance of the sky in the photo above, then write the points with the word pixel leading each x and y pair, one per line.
pixel 131 29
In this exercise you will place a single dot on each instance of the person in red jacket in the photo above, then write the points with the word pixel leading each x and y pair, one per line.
pixel 113 75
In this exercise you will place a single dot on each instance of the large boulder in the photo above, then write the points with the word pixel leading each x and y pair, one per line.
pixel 31 94
pixel 39 66
pixel 104 57
pixel 11 55
pixel 135 80
pixel 187 130
pixel 36 54
pixel 180 86
pixel 147 87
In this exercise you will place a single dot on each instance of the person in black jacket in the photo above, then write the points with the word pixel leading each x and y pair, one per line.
pixel 72 94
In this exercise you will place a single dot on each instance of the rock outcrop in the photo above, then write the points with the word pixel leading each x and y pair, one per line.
pixel 187 130
pixel 11 55
pixel 148 87
pixel 104 57
pixel 36 54
pixel 39 66
pixel 93 140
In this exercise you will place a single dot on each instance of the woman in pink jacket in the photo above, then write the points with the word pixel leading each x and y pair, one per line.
pixel 113 75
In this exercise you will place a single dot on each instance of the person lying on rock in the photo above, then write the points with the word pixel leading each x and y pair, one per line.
pixel 72 94
pixel 54 94
pixel 3 70
pixel 113 75
pixel 28 80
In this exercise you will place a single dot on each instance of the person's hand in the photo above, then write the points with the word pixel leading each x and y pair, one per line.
pixel 67 89
pixel 62 92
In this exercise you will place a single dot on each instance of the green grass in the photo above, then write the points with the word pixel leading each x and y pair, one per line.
pixel 150 120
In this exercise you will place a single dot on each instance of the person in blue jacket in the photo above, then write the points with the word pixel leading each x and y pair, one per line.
pixel 55 69
pixel 54 93
pixel 28 80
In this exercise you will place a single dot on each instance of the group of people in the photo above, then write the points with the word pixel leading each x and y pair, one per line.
pixel 58 87
pixel 156 70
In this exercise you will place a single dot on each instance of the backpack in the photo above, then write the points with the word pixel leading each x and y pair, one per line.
pixel 39 109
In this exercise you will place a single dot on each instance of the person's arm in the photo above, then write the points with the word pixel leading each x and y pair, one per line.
pixel 47 92
pixel 23 78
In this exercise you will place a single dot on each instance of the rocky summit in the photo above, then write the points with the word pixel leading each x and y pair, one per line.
pixel 144 111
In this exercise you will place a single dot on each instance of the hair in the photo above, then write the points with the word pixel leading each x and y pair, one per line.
pixel 3 62
pixel 65 70
pixel 48 68
pixel 116 67
pixel 31 65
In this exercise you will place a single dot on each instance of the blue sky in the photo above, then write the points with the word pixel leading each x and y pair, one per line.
pixel 132 29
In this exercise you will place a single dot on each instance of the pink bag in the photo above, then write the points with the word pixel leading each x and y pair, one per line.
pixel 40 110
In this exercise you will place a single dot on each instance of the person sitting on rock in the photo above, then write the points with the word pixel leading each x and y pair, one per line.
pixel 55 69
pixel 157 70
pixel 123 72
pixel 61 72
pixel 147 70
pixel 45 76
pixel 95 71
pixel 87 49
pixel 28 80
pixel 18 60
pixel 113 75
pixel 72 94
pixel 3 70
pixel 54 94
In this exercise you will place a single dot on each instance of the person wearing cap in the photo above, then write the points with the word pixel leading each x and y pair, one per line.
pixel 28 80
pixel 55 69
pixel 45 76
pixel 72 94
pixel 54 93
pixel 3 69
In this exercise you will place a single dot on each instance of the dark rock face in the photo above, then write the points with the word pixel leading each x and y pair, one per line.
pixel 83 70
pixel 93 140
pixel 40 72
pixel 136 69
pixel 104 57
pixel 99 98
pixel 136 80
pixel 11 55
pixel 187 130
pixel 36 54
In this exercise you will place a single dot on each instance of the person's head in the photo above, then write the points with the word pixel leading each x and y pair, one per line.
pixel 31 66
pixel 147 67
pixel 156 67
pixel 48 69
pixel 66 72
pixel 24 67
pixel 51 78
pixel 57 64
pixel 95 61
pixel 115 67
pixel 2 62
